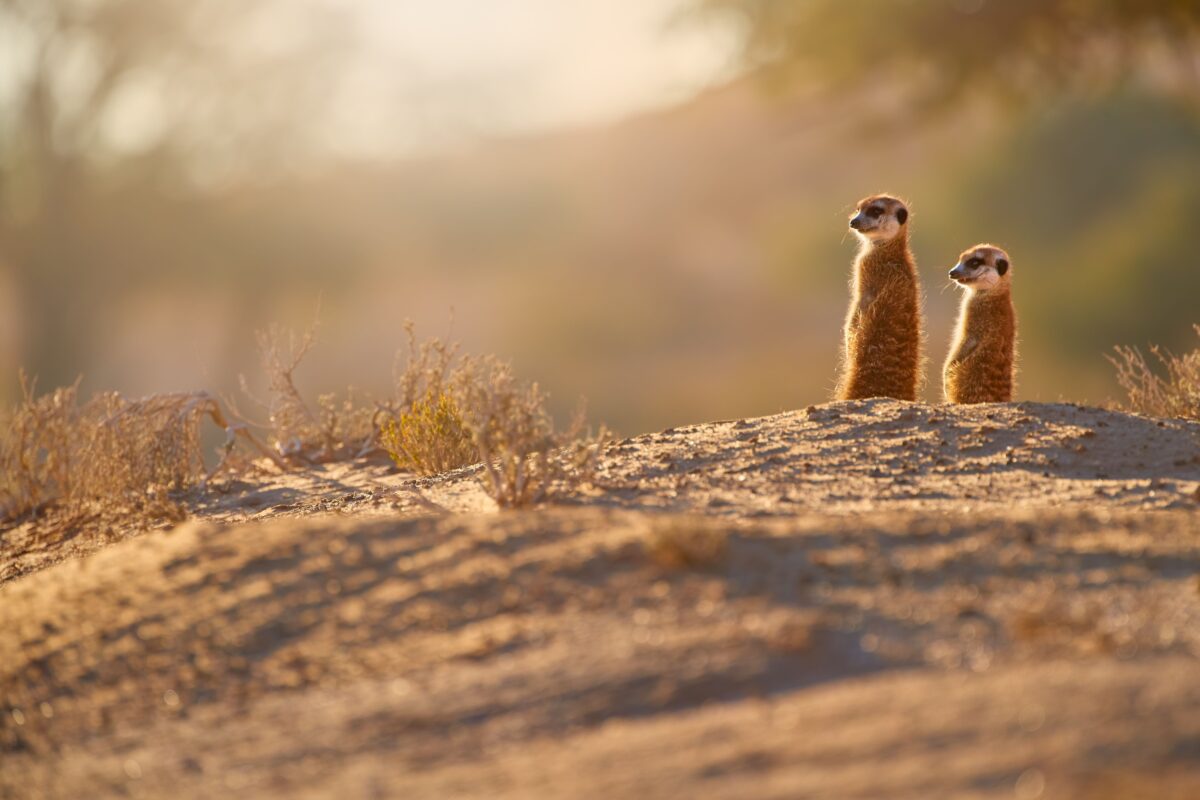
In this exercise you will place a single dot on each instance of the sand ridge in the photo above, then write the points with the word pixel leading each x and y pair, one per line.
pixel 859 599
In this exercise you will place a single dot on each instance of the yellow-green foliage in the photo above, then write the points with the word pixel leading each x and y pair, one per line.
pixel 429 437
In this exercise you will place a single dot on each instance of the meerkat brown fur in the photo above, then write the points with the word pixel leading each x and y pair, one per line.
pixel 981 363
pixel 883 336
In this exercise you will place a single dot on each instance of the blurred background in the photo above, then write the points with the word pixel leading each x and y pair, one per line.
pixel 640 201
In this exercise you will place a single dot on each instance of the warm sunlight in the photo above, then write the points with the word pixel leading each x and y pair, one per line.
pixel 656 399
pixel 459 69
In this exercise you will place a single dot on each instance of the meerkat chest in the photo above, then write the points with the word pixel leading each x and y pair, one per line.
pixel 967 343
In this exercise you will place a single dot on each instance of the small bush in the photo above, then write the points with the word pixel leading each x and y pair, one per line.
pixel 1177 394
pixel 36 449
pixel 424 430
pixel 346 427
pixel 525 458
pixel 431 369
pixel 450 411
pixel 109 457
pixel 429 437
pixel 354 425
pixel 349 424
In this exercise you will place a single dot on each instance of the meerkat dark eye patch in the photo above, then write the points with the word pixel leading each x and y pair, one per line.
pixel 874 212
pixel 1002 266
pixel 974 263
pixel 902 215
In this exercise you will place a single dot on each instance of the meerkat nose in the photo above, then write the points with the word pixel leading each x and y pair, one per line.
pixel 856 222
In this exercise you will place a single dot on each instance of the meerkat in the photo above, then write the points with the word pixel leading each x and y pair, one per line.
pixel 883 335
pixel 980 367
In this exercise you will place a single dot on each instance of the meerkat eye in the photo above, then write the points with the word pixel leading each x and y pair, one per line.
pixel 874 212
pixel 974 263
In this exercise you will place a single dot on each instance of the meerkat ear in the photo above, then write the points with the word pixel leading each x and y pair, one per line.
pixel 1002 266
pixel 902 216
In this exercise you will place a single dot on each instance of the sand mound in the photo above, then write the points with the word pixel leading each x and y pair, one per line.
pixel 857 600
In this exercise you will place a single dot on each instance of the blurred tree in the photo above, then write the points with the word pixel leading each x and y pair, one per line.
pixel 99 95
pixel 1012 47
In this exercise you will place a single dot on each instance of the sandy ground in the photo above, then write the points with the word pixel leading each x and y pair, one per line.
pixel 859 600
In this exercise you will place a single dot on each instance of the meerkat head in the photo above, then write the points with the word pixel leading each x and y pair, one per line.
pixel 879 218
pixel 982 268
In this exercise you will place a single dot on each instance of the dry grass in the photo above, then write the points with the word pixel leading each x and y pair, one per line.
pixel 339 428
pixel 447 411
pixel 450 411
pixel 109 457
pixel 687 543
pixel 1175 394
pixel 36 449
pixel 431 369
pixel 525 458
pixel 129 460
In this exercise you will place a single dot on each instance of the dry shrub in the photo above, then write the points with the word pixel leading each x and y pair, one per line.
pixel 425 431
pixel 450 411
pixel 686 542
pixel 349 424
pixel 345 427
pixel 525 458
pixel 429 437
pixel 36 448
pixel 116 457
pixel 431 369
pixel 447 411
pixel 1177 394
pixel 138 450
pixel 109 457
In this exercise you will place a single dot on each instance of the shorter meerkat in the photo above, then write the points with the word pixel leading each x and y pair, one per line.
pixel 882 335
pixel 980 367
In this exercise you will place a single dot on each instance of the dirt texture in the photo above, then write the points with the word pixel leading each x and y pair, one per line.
pixel 859 600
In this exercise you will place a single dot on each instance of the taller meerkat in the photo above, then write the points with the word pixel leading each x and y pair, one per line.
pixel 981 363
pixel 883 333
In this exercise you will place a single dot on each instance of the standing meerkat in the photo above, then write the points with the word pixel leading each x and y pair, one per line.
pixel 883 336
pixel 981 365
